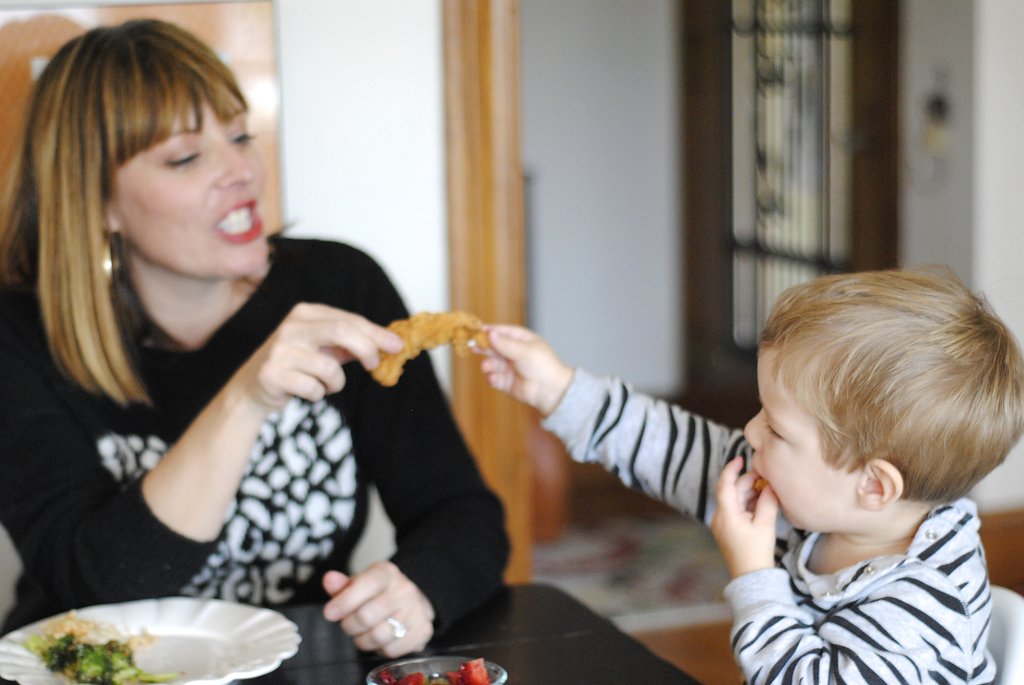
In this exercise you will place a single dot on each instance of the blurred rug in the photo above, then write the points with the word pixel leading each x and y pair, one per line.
pixel 642 573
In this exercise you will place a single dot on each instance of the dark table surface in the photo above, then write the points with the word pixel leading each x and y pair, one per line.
pixel 541 635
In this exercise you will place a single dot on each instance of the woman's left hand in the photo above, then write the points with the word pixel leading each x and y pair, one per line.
pixel 381 609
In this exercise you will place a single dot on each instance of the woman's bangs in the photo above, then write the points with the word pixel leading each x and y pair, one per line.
pixel 166 101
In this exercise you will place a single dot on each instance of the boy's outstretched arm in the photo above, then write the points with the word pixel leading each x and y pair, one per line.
pixel 650 445
pixel 523 364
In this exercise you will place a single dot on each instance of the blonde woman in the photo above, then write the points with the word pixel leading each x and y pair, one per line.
pixel 186 407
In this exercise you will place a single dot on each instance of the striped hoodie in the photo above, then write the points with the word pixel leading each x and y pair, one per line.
pixel 922 617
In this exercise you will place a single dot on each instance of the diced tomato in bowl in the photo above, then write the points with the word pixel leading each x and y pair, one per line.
pixel 438 670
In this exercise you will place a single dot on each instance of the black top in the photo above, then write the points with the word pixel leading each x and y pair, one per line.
pixel 71 462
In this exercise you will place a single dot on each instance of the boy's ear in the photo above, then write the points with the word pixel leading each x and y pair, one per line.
pixel 881 484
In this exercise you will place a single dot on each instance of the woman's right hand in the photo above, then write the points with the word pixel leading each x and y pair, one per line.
pixel 303 357
pixel 195 483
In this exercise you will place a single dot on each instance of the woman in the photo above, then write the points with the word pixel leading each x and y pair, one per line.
pixel 179 414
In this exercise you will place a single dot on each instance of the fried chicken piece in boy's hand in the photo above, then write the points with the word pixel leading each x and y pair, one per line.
pixel 427 330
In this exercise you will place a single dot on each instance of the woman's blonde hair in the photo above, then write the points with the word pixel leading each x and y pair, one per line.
pixel 907 366
pixel 104 97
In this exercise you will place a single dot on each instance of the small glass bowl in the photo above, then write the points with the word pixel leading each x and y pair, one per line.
pixel 437 665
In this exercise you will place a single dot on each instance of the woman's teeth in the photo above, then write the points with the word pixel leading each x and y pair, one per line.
pixel 237 222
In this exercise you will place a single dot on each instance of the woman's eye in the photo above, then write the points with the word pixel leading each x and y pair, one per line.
pixel 243 138
pixel 178 162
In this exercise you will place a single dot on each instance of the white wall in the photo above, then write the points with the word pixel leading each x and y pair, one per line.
pixel 936 180
pixel 600 147
pixel 998 170
pixel 363 133
pixel 962 207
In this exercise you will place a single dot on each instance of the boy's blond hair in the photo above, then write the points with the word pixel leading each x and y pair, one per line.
pixel 106 95
pixel 906 366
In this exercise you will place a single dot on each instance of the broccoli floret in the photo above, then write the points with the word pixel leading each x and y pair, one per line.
pixel 91 666
pixel 111 663
pixel 56 653
pixel 120 656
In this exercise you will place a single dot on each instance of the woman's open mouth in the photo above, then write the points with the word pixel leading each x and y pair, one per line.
pixel 241 225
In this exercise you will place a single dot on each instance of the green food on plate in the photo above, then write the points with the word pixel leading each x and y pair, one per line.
pixel 110 663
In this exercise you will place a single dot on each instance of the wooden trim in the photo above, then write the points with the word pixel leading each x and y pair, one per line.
pixel 721 381
pixel 703 650
pixel 1000 535
pixel 875 209
pixel 487 255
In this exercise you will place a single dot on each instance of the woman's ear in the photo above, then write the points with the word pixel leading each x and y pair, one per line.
pixel 881 484
pixel 113 221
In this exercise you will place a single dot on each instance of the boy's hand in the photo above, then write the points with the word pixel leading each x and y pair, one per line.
pixel 522 364
pixel 744 521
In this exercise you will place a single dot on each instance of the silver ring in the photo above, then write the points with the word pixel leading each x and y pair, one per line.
pixel 397 628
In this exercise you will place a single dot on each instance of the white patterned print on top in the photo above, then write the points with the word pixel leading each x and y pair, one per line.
pixel 297 492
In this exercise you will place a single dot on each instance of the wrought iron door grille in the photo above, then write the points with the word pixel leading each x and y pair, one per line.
pixel 792 108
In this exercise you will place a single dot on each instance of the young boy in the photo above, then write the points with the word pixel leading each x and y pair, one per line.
pixel 886 396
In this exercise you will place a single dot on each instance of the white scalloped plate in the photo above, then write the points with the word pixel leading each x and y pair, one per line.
pixel 207 641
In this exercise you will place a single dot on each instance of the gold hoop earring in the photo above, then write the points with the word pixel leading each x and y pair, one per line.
pixel 108 261
pixel 112 257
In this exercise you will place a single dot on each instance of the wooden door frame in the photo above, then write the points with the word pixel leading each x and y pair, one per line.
pixel 487 263
pixel 722 380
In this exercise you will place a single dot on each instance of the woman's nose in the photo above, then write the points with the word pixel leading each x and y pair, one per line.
pixel 241 166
